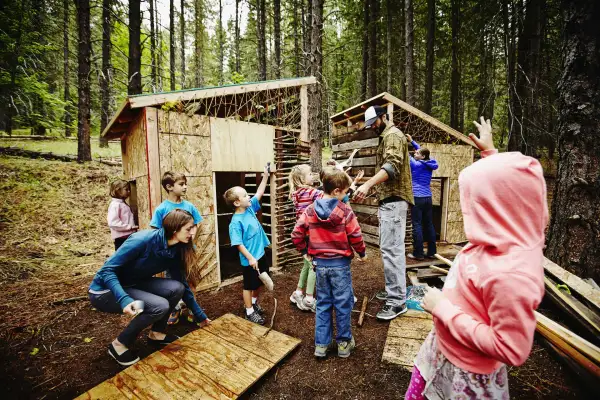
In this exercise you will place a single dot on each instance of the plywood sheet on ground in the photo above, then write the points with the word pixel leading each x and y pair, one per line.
pixel 218 362
pixel 405 336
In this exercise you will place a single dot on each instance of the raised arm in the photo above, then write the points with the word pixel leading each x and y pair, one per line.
pixel 263 184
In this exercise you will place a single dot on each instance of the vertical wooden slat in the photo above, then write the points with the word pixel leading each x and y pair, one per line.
pixel 304 113
pixel 274 216
pixel 214 191
pixel 153 157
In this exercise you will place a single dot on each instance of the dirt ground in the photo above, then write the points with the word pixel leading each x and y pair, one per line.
pixel 59 351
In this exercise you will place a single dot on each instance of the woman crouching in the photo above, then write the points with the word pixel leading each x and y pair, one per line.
pixel 128 276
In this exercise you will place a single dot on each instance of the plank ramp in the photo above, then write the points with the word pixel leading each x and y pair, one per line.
pixel 405 336
pixel 220 361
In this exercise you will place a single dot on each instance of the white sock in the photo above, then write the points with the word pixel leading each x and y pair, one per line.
pixel 299 292
pixel 309 297
pixel 254 300
pixel 249 310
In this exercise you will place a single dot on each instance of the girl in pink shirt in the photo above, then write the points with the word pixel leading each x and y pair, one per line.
pixel 484 316
pixel 120 218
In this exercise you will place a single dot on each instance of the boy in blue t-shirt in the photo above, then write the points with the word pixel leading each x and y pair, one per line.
pixel 247 234
pixel 175 184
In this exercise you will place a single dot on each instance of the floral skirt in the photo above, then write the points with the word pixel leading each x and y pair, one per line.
pixel 442 380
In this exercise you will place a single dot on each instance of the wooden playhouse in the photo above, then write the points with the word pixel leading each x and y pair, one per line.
pixel 218 137
pixel 453 151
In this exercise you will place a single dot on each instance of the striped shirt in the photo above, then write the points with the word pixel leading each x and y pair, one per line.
pixel 304 197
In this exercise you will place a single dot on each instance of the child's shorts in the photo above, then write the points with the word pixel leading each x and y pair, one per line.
pixel 251 280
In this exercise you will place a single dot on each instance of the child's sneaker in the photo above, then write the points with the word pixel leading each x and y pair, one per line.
pixel 174 317
pixel 255 317
pixel 297 299
pixel 321 351
pixel 346 347
pixel 310 303
pixel 258 309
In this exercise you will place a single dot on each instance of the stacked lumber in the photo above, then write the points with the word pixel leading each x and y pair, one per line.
pixel 580 300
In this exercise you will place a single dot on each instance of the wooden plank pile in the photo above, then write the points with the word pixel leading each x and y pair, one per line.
pixel 405 336
pixel 220 361
pixel 580 300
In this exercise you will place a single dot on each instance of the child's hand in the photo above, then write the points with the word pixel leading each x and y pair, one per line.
pixel 253 263
pixel 359 176
pixel 362 259
pixel 485 140
pixel 432 297
pixel 267 170
pixel 204 323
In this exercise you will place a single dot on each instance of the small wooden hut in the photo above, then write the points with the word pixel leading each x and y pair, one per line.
pixel 219 137
pixel 453 151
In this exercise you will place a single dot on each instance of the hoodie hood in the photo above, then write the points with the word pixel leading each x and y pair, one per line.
pixel 431 164
pixel 504 204
pixel 328 211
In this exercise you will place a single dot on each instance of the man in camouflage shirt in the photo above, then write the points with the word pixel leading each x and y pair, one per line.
pixel 393 184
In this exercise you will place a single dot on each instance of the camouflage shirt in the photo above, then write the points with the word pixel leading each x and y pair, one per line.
pixel 393 157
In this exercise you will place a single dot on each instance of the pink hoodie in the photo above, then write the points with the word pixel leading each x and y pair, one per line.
pixel 497 280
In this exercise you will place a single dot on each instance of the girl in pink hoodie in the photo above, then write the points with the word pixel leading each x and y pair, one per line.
pixel 484 316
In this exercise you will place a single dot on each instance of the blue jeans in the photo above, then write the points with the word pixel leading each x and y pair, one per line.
pixel 422 221
pixel 334 291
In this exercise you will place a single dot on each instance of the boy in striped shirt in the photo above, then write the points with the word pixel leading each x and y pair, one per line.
pixel 334 233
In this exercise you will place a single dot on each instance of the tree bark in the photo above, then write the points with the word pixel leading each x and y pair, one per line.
pixel 172 43
pixel 409 49
pixel 455 78
pixel 295 25
pixel 159 54
pixel 153 73
pixel 277 34
pixel 365 51
pixel 199 43
pixel 237 36
pixel 182 42
pixel 66 80
pixel 84 152
pixel 372 70
pixel 574 235
pixel 427 100
pixel 105 79
pixel 314 91
pixel 221 41
pixel 389 33
pixel 135 49
pixel 262 40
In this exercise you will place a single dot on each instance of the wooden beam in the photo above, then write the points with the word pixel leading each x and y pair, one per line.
pixel 151 125
pixel 358 144
pixel 304 113
pixel 356 107
pixel 574 282
pixel 107 133
pixel 197 94
pixel 571 304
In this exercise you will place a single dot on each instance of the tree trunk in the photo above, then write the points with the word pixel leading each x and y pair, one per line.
pixel 262 39
pixel 524 138
pixel 135 49
pixel 314 91
pixel 66 80
pixel 372 69
pixel 574 235
pixel 221 42
pixel 84 152
pixel 153 74
pixel 277 34
pixel 182 42
pixel 455 78
pixel 307 36
pixel 409 49
pixel 199 43
pixel 105 79
pixel 237 36
pixel 297 53
pixel 427 101
pixel 365 52
pixel 484 52
pixel 389 33
pixel 172 43
pixel 159 55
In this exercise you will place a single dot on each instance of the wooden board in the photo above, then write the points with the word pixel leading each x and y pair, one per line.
pixel 240 146
pixel 405 336
pixel 574 282
pixel 152 148
pixel 219 362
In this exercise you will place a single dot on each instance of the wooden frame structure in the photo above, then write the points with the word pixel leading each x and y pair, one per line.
pixel 200 132
pixel 453 151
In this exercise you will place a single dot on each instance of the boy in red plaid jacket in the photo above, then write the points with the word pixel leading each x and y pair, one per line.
pixel 334 232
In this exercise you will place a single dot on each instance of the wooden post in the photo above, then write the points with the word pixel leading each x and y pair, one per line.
pixel 214 193
pixel 154 176
pixel 274 214
pixel 390 112
pixel 304 113
pixel 444 200
pixel 363 309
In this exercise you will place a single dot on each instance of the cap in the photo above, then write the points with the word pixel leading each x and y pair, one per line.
pixel 372 114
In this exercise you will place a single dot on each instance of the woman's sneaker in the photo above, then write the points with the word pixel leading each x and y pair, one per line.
pixel 255 317
pixel 310 303
pixel 297 299
pixel 174 317
pixel 125 359
pixel 346 347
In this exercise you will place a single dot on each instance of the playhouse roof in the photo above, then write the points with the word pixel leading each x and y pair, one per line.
pixel 133 104
pixel 383 99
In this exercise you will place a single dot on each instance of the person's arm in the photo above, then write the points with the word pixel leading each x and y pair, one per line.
pixel 251 260
pixel 114 220
pixel 263 185
pixel 485 141
pixel 299 234
pixel 188 296
pixel 411 141
pixel 129 251
pixel 511 299
pixel 354 235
